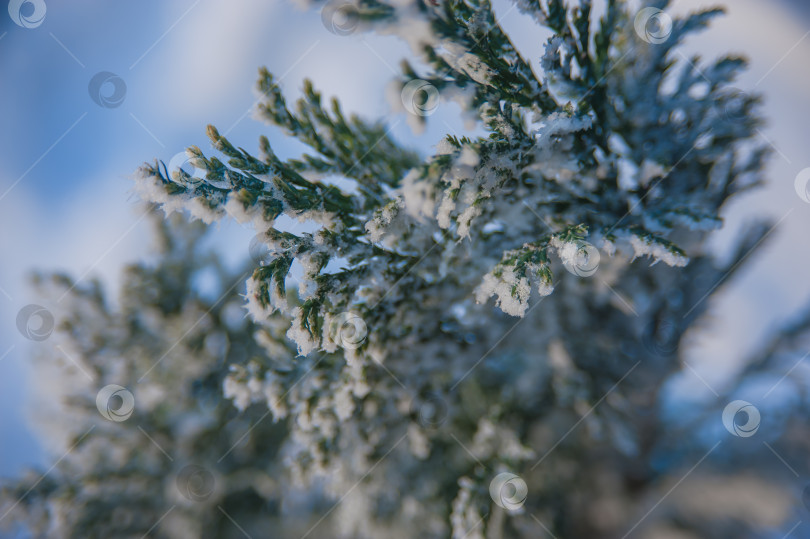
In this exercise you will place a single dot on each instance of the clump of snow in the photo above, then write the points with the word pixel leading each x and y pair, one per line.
pixel 628 173
pixel 502 286
pixel 418 195
pixel 380 225
pixel 412 26
pixel 344 402
pixel 462 60
pixel 253 215
pixel 200 209
pixel 311 263
pixel 656 251
pixel 323 218
pixel 568 251
pixel 300 335
pixel 274 394
pixel 493 117
pixel 558 123
pixel 445 147
pixel 609 247
pixel 649 170
pixel 255 307
pixel 462 177
pixel 328 344
pixel 445 209
pixel 151 188
pixel 532 9
pixel 465 518
pixel 494 440
pixel 307 289
pixel 465 220
pixel 418 442
pixel 237 391
pixel 695 221
pixel 545 288
pixel 469 158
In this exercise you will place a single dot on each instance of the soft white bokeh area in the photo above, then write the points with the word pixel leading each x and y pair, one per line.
pixel 64 161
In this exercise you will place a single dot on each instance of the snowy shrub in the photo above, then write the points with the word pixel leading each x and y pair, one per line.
pixel 490 309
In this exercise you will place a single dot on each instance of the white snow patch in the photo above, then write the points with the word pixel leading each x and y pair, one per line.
pixel 298 334
pixel 502 288
pixel 657 252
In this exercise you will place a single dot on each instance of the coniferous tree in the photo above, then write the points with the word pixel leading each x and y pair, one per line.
pixel 478 345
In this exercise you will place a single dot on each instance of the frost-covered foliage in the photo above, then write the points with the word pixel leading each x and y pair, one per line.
pixel 171 347
pixel 393 384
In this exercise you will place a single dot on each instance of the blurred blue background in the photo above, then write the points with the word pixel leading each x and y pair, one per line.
pixel 66 162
